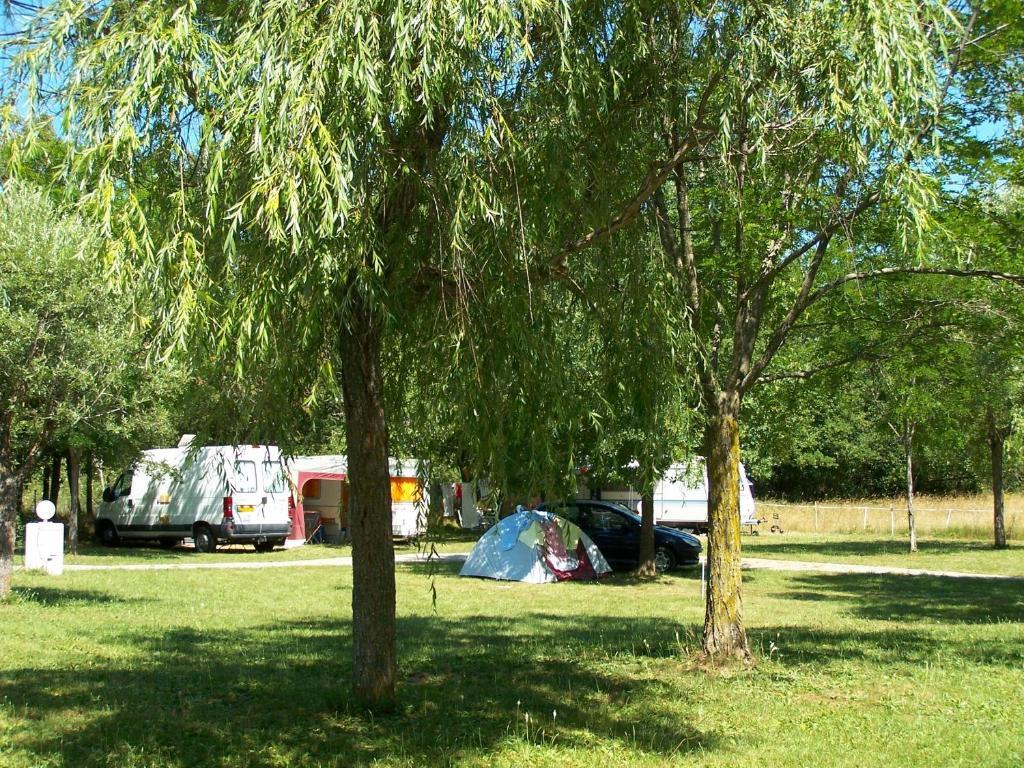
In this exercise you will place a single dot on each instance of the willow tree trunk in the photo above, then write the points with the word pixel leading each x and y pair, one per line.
pixel 997 442
pixel 724 633
pixel 73 510
pixel 646 566
pixel 373 554
pixel 8 517
pixel 908 447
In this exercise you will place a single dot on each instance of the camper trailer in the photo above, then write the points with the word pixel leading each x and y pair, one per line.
pixel 321 502
pixel 680 497
pixel 232 493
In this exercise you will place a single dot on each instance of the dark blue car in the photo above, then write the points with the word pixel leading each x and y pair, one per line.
pixel 616 532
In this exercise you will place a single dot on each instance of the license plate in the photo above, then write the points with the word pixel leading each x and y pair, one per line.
pixel 246 509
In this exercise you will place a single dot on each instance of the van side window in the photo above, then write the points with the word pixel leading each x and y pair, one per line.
pixel 244 480
pixel 273 477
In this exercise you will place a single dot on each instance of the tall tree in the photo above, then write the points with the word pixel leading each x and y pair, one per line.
pixel 777 134
pixel 316 167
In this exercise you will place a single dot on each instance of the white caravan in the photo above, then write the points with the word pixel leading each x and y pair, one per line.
pixel 680 497
pixel 230 493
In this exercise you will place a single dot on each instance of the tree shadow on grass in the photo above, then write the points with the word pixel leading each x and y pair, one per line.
pixel 448 568
pixel 52 597
pixel 884 597
pixel 899 648
pixel 278 694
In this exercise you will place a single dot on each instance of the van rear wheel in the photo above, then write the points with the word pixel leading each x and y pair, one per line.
pixel 203 538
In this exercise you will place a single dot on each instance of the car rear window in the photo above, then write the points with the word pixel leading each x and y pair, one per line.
pixel 607 520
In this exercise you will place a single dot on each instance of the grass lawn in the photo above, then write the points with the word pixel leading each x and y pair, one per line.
pixel 945 554
pixel 250 668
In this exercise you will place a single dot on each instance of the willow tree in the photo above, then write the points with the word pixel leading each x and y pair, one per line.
pixel 318 163
pixel 816 125
pixel 752 138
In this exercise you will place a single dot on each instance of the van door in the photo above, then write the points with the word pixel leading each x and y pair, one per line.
pixel 133 511
pixel 245 492
pixel 118 508
pixel 274 500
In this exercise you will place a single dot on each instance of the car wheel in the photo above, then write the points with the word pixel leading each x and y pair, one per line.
pixel 108 535
pixel 664 560
pixel 205 541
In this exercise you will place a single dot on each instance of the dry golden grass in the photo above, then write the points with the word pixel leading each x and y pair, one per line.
pixel 965 516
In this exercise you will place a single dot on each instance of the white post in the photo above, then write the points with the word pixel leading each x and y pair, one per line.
pixel 815 515
pixel 892 520
pixel 865 518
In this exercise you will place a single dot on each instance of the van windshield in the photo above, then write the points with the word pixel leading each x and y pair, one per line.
pixel 273 477
pixel 244 480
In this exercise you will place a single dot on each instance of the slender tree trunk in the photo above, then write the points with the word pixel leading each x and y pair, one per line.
pixel 8 512
pixel 373 555
pixel 90 505
pixel 435 505
pixel 908 447
pixel 997 443
pixel 55 479
pixel 646 566
pixel 724 633
pixel 46 482
pixel 73 511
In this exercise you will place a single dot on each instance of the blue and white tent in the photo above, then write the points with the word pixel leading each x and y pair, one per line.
pixel 537 547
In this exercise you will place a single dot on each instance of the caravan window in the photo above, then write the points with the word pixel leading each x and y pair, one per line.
pixel 245 477
pixel 273 477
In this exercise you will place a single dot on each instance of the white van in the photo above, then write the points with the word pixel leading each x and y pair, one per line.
pixel 680 497
pixel 236 493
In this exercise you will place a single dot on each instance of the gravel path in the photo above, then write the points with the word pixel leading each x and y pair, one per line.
pixel 323 562
pixel 752 563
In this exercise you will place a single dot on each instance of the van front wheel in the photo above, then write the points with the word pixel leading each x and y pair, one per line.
pixel 108 534
pixel 205 541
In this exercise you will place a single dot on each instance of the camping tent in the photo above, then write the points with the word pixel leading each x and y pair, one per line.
pixel 537 547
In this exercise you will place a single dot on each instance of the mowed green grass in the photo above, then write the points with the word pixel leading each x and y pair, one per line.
pixel 251 668
pixel 938 554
